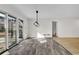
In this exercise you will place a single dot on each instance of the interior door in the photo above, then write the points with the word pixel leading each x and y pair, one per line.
pixel 54 28
pixel 12 37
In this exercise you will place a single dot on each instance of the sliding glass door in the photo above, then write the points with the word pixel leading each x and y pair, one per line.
pixel 20 29
pixel 11 30
pixel 2 32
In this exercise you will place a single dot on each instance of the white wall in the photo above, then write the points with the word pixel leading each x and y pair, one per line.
pixel 25 28
pixel 65 27
pixel 32 29
pixel 44 28
pixel 68 28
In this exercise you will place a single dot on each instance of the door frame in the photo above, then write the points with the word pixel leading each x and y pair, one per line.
pixel 54 29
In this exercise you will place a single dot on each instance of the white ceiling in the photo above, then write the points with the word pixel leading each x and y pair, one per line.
pixel 49 10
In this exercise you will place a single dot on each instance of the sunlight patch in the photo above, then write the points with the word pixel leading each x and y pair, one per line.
pixel 39 35
pixel 43 41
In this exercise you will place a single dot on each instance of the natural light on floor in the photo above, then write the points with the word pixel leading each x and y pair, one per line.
pixel 39 35
pixel 41 38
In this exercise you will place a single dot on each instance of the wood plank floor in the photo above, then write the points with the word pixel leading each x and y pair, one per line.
pixel 70 44
pixel 33 47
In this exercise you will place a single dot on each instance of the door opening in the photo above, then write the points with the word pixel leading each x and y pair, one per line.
pixel 54 29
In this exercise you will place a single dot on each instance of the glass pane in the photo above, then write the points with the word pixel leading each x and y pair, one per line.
pixel 11 30
pixel 20 29
pixel 2 32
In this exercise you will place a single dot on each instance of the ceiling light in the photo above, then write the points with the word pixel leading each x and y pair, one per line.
pixel 36 23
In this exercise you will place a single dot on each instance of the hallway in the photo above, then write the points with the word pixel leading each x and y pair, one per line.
pixel 33 47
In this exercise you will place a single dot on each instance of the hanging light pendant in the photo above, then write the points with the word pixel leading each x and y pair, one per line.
pixel 36 23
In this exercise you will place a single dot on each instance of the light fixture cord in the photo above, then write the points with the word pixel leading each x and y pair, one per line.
pixel 36 15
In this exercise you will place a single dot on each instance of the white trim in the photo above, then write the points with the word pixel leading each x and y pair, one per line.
pixel 7 45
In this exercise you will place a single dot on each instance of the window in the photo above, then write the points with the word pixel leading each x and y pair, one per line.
pixel 2 32
pixel 11 30
pixel 20 29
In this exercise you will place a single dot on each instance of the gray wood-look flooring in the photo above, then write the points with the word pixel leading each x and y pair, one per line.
pixel 33 47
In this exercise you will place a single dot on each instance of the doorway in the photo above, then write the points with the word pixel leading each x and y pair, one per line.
pixel 54 29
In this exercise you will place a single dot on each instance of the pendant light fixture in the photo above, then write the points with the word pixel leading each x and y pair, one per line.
pixel 36 23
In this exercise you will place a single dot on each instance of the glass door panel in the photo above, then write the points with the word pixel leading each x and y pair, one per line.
pixel 20 30
pixel 11 30
pixel 2 32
